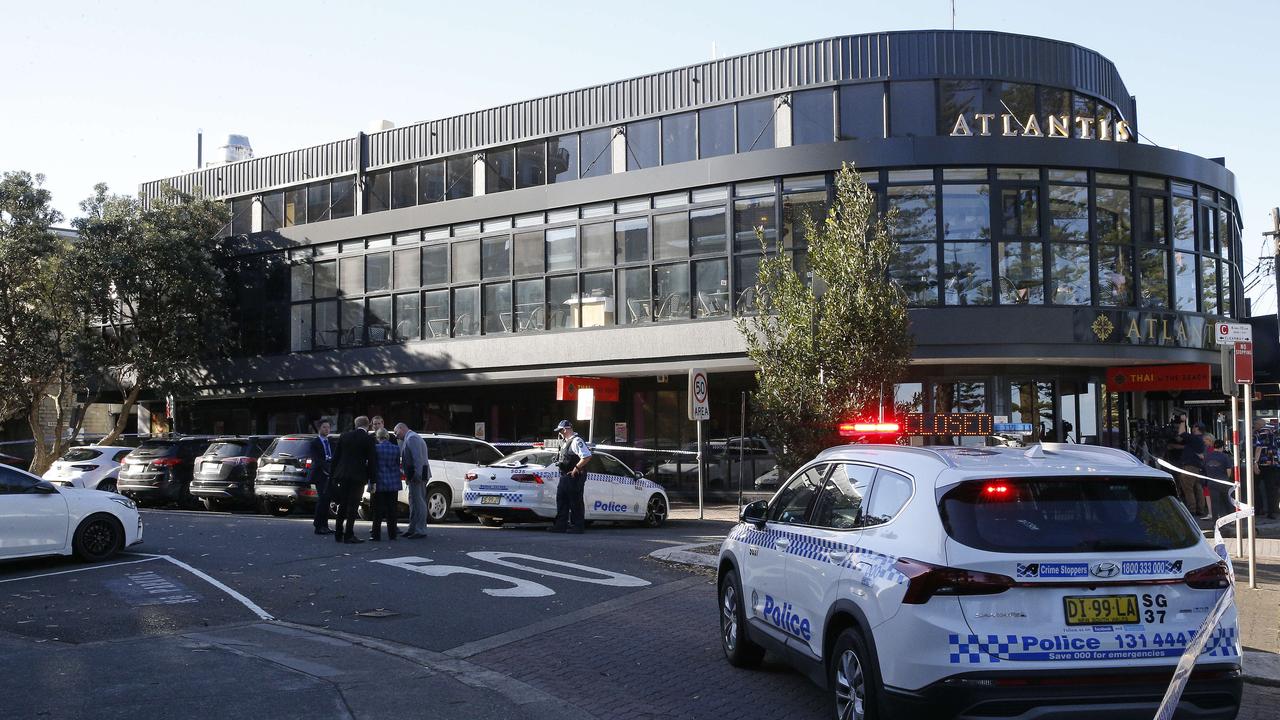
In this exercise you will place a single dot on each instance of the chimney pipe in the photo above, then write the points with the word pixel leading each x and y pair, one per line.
pixel 199 148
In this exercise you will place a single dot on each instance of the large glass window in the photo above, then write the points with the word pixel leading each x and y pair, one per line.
pixel 497 308
pixel 326 279
pixel 1021 273
pixel 811 117
pixel 435 313
pixel 1069 210
pixel 959 97
pixel 406 317
pixel 707 231
pixel 679 138
pixel 597 159
pixel 1086 108
pixel 242 216
pixel 752 216
pixel 1184 282
pixel 795 208
pixel 408 268
pixel 671 291
pixel 377 272
pixel 671 236
pixel 272 211
pixel 1112 215
pixel 404 187
pixel 562 305
pixel 318 202
pixel 1153 274
pixel 597 245
pixel 755 124
pixel 466 311
pixel 1020 211
pixel 300 282
pixel 530 313
pixel 295 206
pixel 495 256
pixel 466 262
pixel 531 164
pixel 352 323
pixel 459 177
pixel 595 303
pixel 715 131
pixel 562 159
pixel 966 272
pixel 915 268
pixel 1115 275
pixel 917 218
pixel 634 305
pixel 300 328
pixel 352 276
pixel 562 249
pixel 1018 99
pixel 326 325
pixel 711 288
pixel 1184 223
pixel 642 144
pixel 1069 274
pixel 911 108
pixel 1152 226
pixel 632 239
pixel 746 271
pixel 377 192
pixel 966 212
pixel 529 253
pixel 378 320
pixel 342 197
pixel 435 264
pixel 1209 288
pixel 431 182
pixel 499 170
pixel 861 111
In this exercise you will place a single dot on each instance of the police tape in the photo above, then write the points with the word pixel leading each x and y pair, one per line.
pixel 1186 663
pixel 614 448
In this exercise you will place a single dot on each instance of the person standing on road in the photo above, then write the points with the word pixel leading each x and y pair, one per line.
pixel 1266 457
pixel 574 455
pixel 1193 462
pixel 354 464
pixel 321 453
pixel 1217 465
pixel 417 470
pixel 384 490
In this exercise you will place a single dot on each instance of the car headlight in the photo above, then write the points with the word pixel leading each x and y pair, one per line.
pixel 125 502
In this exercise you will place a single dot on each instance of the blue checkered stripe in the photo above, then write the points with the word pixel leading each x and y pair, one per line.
pixel 1222 643
pixel 620 480
pixel 977 649
pixel 877 565
pixel 508 496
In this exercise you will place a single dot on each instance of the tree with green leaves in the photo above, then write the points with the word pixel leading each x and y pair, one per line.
pixel 831 351
pixel 158 289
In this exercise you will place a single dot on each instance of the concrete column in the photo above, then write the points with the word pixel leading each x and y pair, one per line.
pixel 618 151
pixel 255 214
pixel 477 174
pixel 782 122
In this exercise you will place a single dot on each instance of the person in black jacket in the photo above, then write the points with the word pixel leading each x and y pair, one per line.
pixel 321 453
pixel 354 464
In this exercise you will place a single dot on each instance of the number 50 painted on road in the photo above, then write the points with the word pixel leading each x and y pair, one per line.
pixel 519 587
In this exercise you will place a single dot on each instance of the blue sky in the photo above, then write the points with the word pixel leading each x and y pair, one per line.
pixel 114 91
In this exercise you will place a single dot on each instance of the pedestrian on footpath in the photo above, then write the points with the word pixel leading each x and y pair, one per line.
pixel 1266 458
pixel 384 490
pixel 354 463
pixel 417 471
pixel 1217 465
pixel 321 454
pixel 1193 462
pixel 574 455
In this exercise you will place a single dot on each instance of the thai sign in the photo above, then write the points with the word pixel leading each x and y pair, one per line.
pixel 1195 376
pixel 1054 126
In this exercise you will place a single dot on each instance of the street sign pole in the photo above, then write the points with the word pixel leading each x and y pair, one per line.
pixel 1235 466
pixel 742 449
pixel 1248 474
pixel 700 478
pixel 699 410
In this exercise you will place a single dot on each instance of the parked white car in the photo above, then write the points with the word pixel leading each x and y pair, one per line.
pixel 726 458
pixel 1052 581
pixel 40 518
pixel 450 457
pixel 521 487
pixel 96 467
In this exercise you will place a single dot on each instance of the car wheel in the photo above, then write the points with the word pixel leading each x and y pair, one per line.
pixel 108 485
pixel 656 514
pixel 438 500
pixel 278 509
pixel 852 678
pixel 738 648
pixel 490 521
pixel 98 538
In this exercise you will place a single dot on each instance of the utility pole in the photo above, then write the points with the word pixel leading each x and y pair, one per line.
pixel 1274 234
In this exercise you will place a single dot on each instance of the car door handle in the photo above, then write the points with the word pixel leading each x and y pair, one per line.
pixel 782 543
pixel 838 556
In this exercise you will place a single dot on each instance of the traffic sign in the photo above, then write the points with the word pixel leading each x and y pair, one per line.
pixel 699 403
pixel 1244 363
pixel 1227 333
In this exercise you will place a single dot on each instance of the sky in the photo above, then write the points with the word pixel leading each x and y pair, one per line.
pixel 115 91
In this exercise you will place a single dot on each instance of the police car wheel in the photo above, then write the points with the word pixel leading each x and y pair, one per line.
pixel 738 648
pixel 853 685
pixel 656 513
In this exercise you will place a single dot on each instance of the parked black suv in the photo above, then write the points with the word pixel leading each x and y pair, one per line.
pixel 225 473
pixel 284 475
pixel 160 470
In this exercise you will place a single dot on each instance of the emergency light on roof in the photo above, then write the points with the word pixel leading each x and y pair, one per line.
pixel 849 429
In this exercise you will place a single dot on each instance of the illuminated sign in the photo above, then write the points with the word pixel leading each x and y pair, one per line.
pixel 606 389
pixel 1185 376
pixel 981 424
pixel 1054 126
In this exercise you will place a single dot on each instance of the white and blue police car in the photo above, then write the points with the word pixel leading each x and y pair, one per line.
pixel 1052 581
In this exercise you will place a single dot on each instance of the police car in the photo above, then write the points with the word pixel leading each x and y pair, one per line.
pixel 521 487
pixel 1051 581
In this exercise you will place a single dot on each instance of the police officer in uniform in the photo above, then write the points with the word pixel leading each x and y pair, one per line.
pixel 574 456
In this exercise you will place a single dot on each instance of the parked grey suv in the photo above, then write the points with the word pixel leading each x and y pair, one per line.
pixel 160 470
pixel 285 475
pixel 225 473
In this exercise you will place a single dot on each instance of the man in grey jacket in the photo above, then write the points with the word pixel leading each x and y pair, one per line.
pixel 417 470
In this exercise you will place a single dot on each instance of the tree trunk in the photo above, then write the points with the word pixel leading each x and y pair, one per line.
pixel 43 456
pixel 121 422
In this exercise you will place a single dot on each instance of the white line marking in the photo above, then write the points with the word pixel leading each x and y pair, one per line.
pixel 253 607
pixel 84 569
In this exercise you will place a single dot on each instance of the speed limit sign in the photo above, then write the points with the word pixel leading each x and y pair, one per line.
pixel 699 404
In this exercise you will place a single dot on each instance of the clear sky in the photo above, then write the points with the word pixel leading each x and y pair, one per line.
pixel 115 91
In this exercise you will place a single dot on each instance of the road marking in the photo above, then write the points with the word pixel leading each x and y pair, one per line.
pixel 519 587
pixel 150 588
pixel 253 607
pixel 612 579
pixel 84 569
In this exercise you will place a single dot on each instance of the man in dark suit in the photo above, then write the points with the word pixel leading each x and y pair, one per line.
pixel 321 453
pixel 355 461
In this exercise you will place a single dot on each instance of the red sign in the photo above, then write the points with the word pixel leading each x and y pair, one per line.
pixel 606 389
pixel 1187 376
pixel 1244 362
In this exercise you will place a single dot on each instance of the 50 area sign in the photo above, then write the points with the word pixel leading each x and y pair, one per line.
pixel 699 400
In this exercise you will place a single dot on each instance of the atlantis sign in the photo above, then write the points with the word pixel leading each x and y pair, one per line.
pixel 1055 126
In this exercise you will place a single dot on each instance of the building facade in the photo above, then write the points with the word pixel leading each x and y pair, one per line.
pixel 448 272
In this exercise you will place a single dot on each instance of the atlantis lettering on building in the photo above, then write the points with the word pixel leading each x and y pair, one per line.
pixel 1055 126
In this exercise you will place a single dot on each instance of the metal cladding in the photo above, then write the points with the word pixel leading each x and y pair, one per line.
pixel 876 57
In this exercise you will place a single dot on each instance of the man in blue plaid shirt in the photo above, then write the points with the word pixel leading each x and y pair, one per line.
pixel 385 487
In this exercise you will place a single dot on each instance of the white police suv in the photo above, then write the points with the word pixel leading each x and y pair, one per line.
pixel 1052 581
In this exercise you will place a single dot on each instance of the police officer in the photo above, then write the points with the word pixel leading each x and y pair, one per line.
pixel 574 456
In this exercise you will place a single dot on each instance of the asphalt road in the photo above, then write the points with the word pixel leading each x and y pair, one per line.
pixel 234 616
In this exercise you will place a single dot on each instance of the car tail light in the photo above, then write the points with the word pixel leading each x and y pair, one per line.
pixel 470 475
pixel 995 490
pixel 927 580
pixel 239 460
pixel 1209 577
pixel 306 464
pixel 166 462
pixel 527 478
pixel 84 468
pixel 309 492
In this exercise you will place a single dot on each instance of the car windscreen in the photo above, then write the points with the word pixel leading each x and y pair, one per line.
pixel 1068 515
pixel 289 447
pixel 155 448
pixel 526 457
pixel 226 449
pixel 81 455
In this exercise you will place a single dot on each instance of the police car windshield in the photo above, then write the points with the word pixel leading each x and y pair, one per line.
pixel 1068 515
pixel 528 457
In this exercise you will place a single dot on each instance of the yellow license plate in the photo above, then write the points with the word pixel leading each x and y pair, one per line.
pixel 490 499
pixel 1101 609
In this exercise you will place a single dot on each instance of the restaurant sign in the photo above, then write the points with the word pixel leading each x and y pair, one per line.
pixel 1054 126
pixel 1191 376
pixel 1139 327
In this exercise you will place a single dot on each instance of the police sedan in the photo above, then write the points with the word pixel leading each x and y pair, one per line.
pixel 521 487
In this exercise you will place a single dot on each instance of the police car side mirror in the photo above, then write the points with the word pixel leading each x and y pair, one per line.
pixel 755 513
